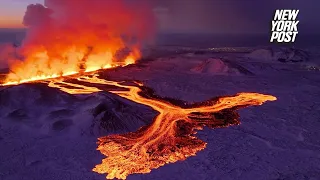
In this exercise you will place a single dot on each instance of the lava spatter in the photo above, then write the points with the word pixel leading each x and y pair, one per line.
pixel 170 138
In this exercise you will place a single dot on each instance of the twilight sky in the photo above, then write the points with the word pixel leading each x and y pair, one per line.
pixel 12 12
pixel 205 16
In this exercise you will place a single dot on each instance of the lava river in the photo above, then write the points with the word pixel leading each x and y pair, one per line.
pixel 170 137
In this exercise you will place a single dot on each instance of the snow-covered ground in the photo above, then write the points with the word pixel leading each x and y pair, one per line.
pixel 48 134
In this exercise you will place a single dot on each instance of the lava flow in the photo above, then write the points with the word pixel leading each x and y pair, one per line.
pixel 170 137
pixel 77 36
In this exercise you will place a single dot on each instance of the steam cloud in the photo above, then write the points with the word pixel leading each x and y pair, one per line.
pixel 7 52
pixel 61 23
pixel 60 29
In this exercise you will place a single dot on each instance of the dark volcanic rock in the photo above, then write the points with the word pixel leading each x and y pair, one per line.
pixel 61 113
pixel 115 116
pixel 292 55
pixel 62 124
pixel 99 113
pixel 18 114
pixel 27 95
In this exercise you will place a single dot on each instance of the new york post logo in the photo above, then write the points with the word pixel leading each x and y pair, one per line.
pixel 284 26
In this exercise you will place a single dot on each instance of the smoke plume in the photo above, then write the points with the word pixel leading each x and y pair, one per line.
pixel 7 52
pixel 65 36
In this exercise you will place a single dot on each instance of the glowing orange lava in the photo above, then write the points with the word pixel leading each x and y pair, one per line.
pixel 69 37
pixel 41 68
pixel 170 137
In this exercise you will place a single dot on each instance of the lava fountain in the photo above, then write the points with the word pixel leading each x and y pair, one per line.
pixel 170 137
pixel 75 36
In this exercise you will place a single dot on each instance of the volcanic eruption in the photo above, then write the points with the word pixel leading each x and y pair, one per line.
pixel 69 37
pixel 78 36
pixel 170 137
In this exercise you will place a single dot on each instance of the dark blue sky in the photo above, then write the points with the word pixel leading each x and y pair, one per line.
pixel 207 16
pixel 235 16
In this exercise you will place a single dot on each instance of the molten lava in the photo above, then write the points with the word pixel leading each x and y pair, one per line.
pixel 73 37
pixel 170 137
pixel 29 71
